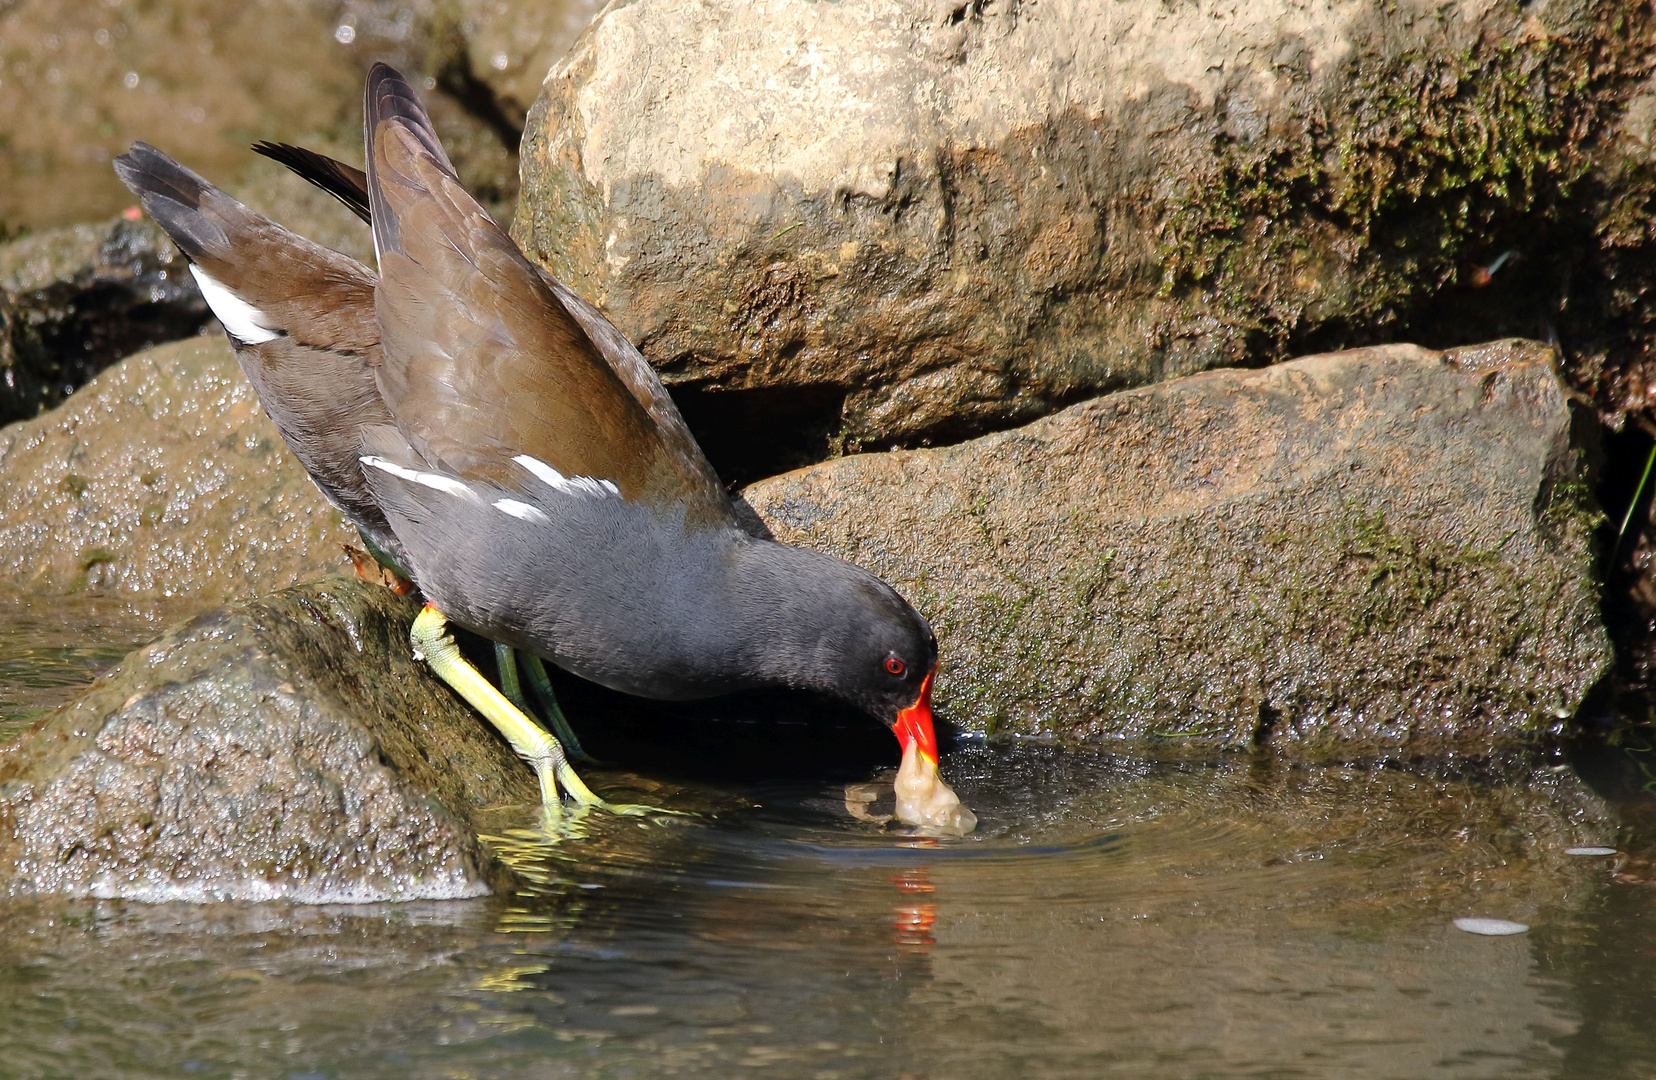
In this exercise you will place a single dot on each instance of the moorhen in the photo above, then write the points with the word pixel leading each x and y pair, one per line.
pixel 498 441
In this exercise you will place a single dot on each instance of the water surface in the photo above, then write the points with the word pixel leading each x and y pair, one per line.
pixel 1114 916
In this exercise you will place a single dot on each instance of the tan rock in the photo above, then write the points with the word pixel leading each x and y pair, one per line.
pixel 161 477
pixel 960 216
pixel 1381 547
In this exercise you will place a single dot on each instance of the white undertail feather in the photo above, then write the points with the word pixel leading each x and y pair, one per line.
pixel 521 510
pixel 241 319
pixel 448 485
pixel 569 485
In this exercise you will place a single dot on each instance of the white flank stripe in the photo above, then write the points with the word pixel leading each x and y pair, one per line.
pixel 448 485
pixel 569 485
pixel 238 316
pixel 545 473
pixel 520 510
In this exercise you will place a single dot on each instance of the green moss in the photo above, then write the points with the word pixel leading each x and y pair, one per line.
pixel 1436 154
pixel 1571 510
pixel 1399 576
pixel 92 556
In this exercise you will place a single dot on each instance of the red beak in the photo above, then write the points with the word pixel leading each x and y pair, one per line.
pixel 914 724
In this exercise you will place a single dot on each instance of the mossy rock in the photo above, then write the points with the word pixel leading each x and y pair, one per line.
pixel 288 747
pixel 1380 548
pixel 920 222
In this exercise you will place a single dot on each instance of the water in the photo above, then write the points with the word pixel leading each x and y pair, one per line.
pixel 51 648
pixel 1115 916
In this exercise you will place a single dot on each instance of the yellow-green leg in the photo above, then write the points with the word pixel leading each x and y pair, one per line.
pixel 435 645
pixel 534 672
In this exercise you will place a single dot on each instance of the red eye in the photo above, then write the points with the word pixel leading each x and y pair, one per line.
pixel 895 666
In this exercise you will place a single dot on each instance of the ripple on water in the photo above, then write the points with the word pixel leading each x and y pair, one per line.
pixel 1112 915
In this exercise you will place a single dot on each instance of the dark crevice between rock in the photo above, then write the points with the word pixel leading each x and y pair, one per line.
pixel 502 116
pixel 73 301
pixel 100 326
pixel 1029 408
pixel 754 736
pixel 1629 584
pixel 1529 294
pixel 754 433
pixel 1269 716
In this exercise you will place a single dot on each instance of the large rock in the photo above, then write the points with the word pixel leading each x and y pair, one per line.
pixel 74 300
pixel 288 747
pixel 161 477
pixel 924 220
pixel 1386 546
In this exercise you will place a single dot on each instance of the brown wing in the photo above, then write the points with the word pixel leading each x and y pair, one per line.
pixel 301 318
pixel 350 186
pixel 482 362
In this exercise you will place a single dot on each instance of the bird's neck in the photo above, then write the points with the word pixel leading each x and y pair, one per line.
pixel 786 614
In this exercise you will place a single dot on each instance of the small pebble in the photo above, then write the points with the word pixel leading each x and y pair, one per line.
pixel 1589 851
pixel 1490 927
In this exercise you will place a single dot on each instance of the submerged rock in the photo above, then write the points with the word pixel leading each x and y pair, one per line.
pixel 1385 546
pixel 907 221
pixel 74 300
pixel 161 477
pixel 287 747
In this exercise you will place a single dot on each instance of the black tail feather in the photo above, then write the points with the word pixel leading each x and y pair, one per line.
pixel 348 185
pixel 173 196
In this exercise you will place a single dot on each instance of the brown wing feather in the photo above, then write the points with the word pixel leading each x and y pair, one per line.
pixel 481 359
pixel 350 186
pixel 316 379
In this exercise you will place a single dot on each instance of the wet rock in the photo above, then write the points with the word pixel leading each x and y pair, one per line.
pixel 161 477
pixel 200 79
pixel 74 300
pixel 78 85
pixel 1380 547
pixel 287 747
pixel 937 219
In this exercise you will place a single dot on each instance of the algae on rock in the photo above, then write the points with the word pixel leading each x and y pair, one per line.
pixel 288 747
pixel 1375 548
pixel 923 222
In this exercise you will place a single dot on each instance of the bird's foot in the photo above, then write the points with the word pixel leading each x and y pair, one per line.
pixel 436 646
pixel 585 797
